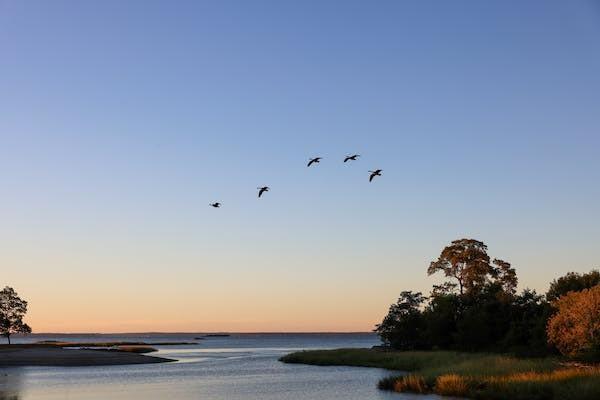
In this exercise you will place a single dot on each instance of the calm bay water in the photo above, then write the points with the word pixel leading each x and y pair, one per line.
pixel 242 366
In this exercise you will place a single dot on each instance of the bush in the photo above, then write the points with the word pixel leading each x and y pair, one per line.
pixel 575 328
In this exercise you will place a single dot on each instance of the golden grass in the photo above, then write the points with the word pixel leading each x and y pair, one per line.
pixel 411 383
pixel 557 375
pixel 563 383
pixel 451 385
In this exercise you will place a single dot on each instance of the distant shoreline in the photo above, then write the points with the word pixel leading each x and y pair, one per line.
pixel 190 333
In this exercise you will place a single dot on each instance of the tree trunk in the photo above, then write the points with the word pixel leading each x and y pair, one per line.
pixel 8 337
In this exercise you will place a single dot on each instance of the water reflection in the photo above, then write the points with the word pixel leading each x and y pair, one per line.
pixel 11 383
pixel 241 367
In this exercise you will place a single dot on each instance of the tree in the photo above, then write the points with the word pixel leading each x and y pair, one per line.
pixel 467 261
pixel 575 328
pixel 506 277
pixel 440 317
pixel 402 327
pixel 483 319
pixel 12 311
pixel 528 318
pixel 572 281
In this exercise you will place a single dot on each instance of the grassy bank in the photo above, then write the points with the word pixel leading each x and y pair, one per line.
pixel 472 375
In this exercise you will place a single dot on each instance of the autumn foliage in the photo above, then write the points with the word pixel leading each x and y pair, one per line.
pixel 575 328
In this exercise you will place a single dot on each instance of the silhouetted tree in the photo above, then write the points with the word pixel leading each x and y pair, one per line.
pixel 527 332
pixel 505 276
pixel 484 318
pixel 440 317
pixel 12 311
pixel 572 281
pixel 402 327
pixel 467 261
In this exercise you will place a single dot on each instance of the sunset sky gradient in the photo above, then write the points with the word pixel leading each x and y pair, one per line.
pixel 121 121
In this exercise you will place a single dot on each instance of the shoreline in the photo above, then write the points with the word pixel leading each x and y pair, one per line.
pixel 467 375
pixel 52 356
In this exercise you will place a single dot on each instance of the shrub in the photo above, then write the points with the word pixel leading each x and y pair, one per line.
pixel 575 328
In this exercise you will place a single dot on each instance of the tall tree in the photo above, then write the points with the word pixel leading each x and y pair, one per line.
pixel 12 311
pixel 506 277
pixel 467 261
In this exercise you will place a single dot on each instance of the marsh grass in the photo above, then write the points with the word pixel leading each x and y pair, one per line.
pixel 472 375
pixel 451 385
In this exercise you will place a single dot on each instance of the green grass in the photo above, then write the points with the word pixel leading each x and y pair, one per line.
pixel 473 375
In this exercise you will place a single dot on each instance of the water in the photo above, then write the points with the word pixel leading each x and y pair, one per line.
pixel 242 366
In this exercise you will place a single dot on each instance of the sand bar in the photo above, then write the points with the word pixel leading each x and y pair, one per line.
pixel 59 357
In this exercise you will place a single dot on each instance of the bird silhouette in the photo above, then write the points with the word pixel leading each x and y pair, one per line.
pixel 353 158
pixel 375 173
pixel 215 205
pixel 315 160
pixel 261 190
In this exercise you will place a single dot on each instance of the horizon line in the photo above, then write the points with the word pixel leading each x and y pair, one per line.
pixel 194 332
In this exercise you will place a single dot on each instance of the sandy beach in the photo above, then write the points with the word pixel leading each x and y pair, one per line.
pixel 59 357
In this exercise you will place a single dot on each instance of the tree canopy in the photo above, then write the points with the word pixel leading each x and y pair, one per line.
pixel 12 311
pixel 575 328
pixel 572 281
pixel 402 326
pixel 478 308
pixel 467 261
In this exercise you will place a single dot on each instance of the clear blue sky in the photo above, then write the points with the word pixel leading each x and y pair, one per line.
pixel 121 120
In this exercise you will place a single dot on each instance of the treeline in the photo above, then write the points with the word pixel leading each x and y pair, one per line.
pixel 479 309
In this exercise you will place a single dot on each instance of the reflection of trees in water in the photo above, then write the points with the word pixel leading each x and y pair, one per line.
pixel 10 384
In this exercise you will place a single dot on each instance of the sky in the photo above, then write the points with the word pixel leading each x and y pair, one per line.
pixel 120 121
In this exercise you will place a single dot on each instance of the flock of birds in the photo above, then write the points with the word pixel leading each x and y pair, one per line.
pixel 316 160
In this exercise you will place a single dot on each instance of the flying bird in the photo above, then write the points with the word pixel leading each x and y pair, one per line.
pixel 353 158
pixel 375 173
pixel 261 190
pixel 215 205
pixel 315 160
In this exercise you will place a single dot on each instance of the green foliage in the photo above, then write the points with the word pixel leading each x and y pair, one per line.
pixel 403 326
pixel 527 330
pixel 483 319
pixel 572 281
pixel 440 319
